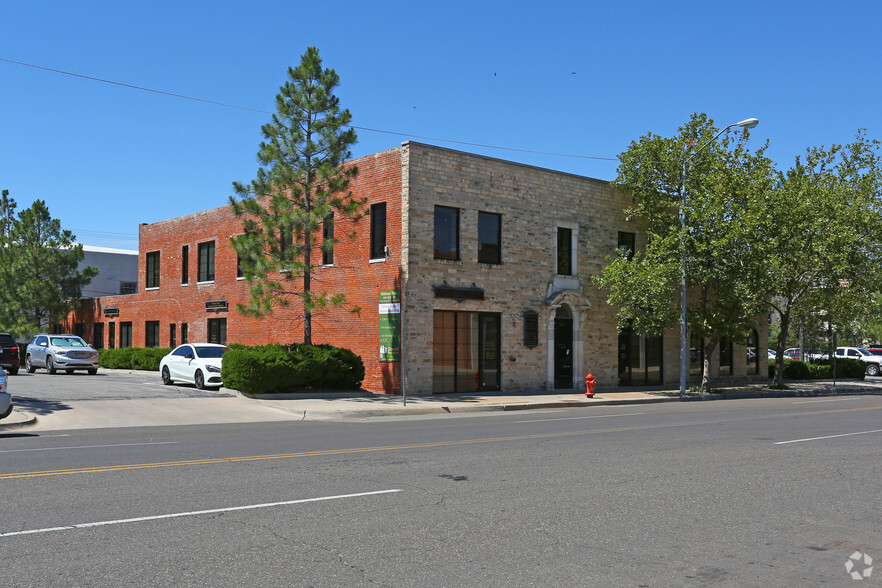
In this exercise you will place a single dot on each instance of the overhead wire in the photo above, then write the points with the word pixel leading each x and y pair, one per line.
pixel 359 128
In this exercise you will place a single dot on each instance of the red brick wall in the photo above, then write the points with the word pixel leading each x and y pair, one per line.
pixel 379 180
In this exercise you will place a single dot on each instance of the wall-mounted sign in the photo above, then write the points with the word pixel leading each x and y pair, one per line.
pixel 459 292
pixel 216 305
pixel 390 325
pixel 111 312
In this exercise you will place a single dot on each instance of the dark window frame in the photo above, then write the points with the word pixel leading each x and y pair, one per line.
pixel 185 265
pixel 217 330
pixel 564 256
pixel 205 262
pixel 152 266
pixel 151 333
pixel 626 244
pixel 328 237
pixel 125 334
pixel 378 231
pixel 446 241
pixel 489 249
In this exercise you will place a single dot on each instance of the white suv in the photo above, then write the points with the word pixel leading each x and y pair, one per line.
pixel 60 352
pixel 873 361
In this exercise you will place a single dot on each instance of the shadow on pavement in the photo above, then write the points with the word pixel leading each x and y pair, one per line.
pixel 40 407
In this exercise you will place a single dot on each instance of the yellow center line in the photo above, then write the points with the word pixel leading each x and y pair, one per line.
pixel 222 460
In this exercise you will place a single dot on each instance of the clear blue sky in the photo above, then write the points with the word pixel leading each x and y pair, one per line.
pixel 581 78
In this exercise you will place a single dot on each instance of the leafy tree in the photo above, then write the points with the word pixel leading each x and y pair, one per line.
pixel 39 279
pixel 724 268
pixel 823 238
pixel 300 188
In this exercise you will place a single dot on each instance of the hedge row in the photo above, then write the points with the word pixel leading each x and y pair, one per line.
pixel 133 358
pixel 820 370
pixel 269 369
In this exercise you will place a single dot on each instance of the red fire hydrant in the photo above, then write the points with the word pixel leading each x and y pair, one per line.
pixel 590 382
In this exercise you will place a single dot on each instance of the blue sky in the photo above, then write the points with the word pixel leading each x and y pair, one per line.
pixel 577 78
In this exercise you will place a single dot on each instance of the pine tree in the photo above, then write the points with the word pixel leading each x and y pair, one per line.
pixel 300 188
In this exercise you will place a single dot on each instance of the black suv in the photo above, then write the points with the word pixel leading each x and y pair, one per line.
pixel 9 359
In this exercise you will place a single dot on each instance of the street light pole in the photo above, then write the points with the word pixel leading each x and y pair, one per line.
pixel 684 341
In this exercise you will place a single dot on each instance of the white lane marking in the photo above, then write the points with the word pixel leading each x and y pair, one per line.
pixel 826 400
pixel 828 437
pixel 193 513
pixel 88 446
pixel 596 416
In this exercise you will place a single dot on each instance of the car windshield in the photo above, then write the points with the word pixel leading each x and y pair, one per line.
pixel 67 342
pixel 209 352
pixel 863 351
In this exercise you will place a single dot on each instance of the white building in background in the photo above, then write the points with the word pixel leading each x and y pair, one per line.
pixel 117 271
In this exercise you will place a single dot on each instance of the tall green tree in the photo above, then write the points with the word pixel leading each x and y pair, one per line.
pixel 39 275
pixel 724 267
pixel 300 189
pixel 823 238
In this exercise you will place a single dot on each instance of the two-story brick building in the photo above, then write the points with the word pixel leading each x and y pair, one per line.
pixel 471 273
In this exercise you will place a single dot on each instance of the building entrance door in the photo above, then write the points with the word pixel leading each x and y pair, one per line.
pixel 563 348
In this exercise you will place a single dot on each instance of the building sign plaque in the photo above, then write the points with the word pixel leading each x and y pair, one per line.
pixel 390 325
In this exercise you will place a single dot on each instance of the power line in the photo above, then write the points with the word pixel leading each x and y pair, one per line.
pixel 227 105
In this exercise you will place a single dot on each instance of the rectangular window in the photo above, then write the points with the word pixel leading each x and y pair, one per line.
pixel 626 245
pixel 328 241
pixel 128 287
pixel 378 231
pixel 151 334
pixel 446 233
pixel 172 335
pixel 726 356
pixel 489 238
pixel 98 335
pixel 217 331
pixel 153 269
pixel 125 335
pixel 184 333
pixel 205 260
pixel 564 251
pixel 185 265
pixel 239 272
pixel 111 335
pixel 465 351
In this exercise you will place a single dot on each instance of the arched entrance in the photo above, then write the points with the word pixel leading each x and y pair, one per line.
pixel 563 348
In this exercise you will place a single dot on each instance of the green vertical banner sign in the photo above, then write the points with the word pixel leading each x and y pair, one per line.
pixel 390 325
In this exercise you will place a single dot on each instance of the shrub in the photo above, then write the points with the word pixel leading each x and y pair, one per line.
pixel 132 358
pixel 297 367
pixel 820 370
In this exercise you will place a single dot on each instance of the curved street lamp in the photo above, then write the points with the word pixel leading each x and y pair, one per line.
pixel 747 123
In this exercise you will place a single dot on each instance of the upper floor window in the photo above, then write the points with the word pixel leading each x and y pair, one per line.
pixel 489 238
pixel 328 241
pixel 153 269
pixel 206 262
pixel 446 233
pixel 564 251
pixel 128 287
pixel 378 230
pixel 626 245
pixel 185 265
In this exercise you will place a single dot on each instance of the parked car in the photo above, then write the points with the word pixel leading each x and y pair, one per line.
pixel 773 354
pixel 60 352
pixel 194 363
pixel 792 353
pixel 5 396
pixel 9 359
pixel 873 361
pixel 874 350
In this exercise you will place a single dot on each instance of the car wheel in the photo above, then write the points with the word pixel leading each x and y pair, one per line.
pixel 166 377
pixel 873 369
pixel 93 371
pixel 200 380
pixel 50 365
pixel 29 367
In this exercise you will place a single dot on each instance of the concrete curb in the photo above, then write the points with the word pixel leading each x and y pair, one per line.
pixel 17 419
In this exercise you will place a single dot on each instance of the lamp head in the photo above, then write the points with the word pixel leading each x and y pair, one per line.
pixel 748 123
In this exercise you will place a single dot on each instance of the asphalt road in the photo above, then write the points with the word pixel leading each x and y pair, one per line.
pixel 735 493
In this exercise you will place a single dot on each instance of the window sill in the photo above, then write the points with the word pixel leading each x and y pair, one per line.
pixel 151 288
pixel 378 260
pixel 206 283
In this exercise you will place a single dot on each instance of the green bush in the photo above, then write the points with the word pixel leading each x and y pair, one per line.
pixel 277 368
pixel 132 358
pixel 820 370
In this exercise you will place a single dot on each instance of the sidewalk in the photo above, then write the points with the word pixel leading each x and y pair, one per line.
pixel 338 406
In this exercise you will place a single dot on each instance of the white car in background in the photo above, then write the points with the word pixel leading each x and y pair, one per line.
pixel 5 396
pixel 194 363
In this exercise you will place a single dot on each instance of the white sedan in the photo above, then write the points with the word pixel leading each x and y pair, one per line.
pixel 194 363
pixel 5 397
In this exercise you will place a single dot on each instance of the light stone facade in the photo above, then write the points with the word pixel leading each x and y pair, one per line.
pixel 533 203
